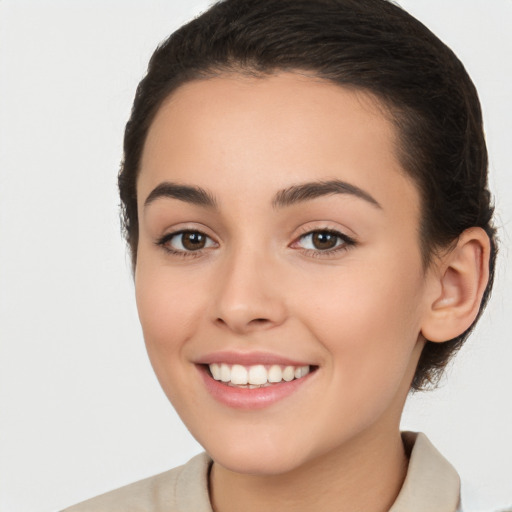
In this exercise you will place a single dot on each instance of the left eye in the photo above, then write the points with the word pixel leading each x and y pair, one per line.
pixel 324 240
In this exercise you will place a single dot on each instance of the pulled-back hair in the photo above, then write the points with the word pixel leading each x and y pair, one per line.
pixel 370 45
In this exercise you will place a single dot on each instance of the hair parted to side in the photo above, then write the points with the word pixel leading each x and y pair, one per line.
pixel 371 45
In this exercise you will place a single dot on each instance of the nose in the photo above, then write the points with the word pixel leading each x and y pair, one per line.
pixel 250 295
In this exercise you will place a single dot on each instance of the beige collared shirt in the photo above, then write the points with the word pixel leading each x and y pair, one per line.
pixel 431 485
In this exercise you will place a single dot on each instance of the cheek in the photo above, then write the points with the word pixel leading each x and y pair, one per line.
pixel 169 309
pixel 369 322
pixel 371 361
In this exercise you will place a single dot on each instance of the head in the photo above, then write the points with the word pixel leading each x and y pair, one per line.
pixel 371 46
pixel 306 179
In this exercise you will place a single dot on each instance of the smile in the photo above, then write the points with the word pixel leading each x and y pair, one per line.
pixel 256 376
pixel 254 381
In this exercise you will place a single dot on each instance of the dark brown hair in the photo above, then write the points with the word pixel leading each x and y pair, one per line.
pixel 372 45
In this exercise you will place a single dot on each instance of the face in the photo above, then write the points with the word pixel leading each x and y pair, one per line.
pixel 279 277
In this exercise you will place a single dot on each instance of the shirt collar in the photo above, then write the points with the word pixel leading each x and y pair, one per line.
pixel 431 482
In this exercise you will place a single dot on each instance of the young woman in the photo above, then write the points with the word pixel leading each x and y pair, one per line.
pixel 304 192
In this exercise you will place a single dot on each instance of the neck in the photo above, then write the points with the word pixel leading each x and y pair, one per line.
pixel 365 476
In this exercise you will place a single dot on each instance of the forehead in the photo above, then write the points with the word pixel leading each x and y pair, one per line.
pixel 236 134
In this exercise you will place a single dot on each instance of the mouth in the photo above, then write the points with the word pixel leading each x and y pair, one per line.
pixel 253 384
pixel 256 376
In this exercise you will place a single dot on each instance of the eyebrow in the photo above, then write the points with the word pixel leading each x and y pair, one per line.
pixel 308 191
pixel 286 197
pixel 187 193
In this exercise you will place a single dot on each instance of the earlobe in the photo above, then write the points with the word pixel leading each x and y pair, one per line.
pixel 461 278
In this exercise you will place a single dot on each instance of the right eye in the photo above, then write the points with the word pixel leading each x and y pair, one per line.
pixel 187 241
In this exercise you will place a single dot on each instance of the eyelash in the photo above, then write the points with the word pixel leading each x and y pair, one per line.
pixel 343 244
pixel 164 241
pixel 346 243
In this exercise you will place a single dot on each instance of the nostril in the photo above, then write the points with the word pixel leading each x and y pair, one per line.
pixel 259 322
pixel 253 321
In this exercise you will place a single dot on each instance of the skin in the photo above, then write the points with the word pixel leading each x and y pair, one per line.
pixel 356 313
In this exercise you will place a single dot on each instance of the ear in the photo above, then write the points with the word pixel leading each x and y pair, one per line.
pixel 458 281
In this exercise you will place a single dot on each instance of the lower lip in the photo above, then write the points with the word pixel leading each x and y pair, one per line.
pixel 245 398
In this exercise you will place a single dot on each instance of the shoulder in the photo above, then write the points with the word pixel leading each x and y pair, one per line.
pixel 172 491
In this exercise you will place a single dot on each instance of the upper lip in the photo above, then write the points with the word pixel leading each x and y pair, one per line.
pixel 248 359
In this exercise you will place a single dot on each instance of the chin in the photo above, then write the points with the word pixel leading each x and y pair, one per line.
pixel 256 462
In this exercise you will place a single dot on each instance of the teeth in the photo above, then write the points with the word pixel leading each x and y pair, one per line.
pixel 215 369
pixel 238 374
pixel 225 373
pixel 257 375
pixel 288 373
pixel 275 374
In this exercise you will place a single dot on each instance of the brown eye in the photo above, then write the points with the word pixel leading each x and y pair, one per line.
pixel 324 240
pixel 193 240
pixel 184 242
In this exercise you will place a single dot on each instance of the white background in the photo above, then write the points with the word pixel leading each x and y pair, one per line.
pixel 80 410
